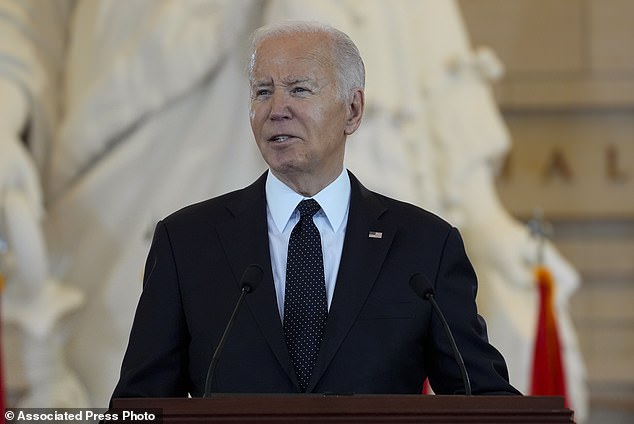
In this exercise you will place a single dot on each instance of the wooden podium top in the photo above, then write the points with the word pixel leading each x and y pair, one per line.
pixel 313 408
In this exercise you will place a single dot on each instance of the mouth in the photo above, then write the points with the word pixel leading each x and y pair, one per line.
pixel 281 138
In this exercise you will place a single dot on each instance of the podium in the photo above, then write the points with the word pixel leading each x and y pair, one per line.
pixel 357 409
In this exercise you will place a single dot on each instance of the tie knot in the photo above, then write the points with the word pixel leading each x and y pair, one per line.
pixel 307 208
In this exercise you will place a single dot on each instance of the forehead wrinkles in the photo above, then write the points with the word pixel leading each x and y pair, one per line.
pixel 313 77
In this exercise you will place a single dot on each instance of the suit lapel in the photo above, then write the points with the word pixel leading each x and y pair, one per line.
pixel 367 242
pixel 245 240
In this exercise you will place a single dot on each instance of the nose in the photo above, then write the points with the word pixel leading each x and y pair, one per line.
pixel 279 106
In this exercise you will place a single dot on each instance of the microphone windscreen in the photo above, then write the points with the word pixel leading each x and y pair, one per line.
pixel 251 277
pixel 421 285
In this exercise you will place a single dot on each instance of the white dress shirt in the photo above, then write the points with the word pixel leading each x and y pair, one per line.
pixel 330 220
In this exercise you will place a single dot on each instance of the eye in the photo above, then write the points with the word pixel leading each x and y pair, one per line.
pixel 300 90
pixel 261 92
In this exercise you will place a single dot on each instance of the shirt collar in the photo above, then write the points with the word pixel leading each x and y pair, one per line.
pixel 333 199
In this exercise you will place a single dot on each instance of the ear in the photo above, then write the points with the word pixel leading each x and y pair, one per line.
pixel 355 111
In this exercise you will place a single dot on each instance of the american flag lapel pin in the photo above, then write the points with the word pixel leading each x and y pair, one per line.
pixel 375 234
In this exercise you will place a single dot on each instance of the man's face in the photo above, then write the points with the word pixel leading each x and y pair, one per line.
pixel 299 122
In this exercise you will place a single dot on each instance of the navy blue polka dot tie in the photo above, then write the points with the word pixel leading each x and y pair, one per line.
pixel 305 307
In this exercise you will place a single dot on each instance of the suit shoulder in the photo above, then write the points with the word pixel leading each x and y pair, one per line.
pixel 412 213
pixel 203 207
pixel 390 208
pixel 214 209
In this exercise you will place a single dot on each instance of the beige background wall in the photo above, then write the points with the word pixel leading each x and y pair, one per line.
pixel 568 99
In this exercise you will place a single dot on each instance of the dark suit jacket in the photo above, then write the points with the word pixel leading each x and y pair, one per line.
pixel 379 338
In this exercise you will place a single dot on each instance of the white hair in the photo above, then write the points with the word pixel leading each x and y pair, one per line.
pixel 348 64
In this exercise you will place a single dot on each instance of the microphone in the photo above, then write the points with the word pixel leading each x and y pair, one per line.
pixel 250 280
pixel 423 289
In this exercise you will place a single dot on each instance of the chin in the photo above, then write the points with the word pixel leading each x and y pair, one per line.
pixel 286 168
pixel 280 162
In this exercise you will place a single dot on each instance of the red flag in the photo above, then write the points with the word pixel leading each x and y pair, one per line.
pixel 548 377
pixel 427 390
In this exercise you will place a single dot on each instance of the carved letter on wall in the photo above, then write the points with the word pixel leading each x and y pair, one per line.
pixel 612 166
pixel 557 167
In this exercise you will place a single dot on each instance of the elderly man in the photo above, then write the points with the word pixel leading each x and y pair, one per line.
pixel 334 311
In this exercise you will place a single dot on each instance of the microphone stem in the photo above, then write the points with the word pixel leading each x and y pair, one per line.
pixel 221 344
pixel 454 347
